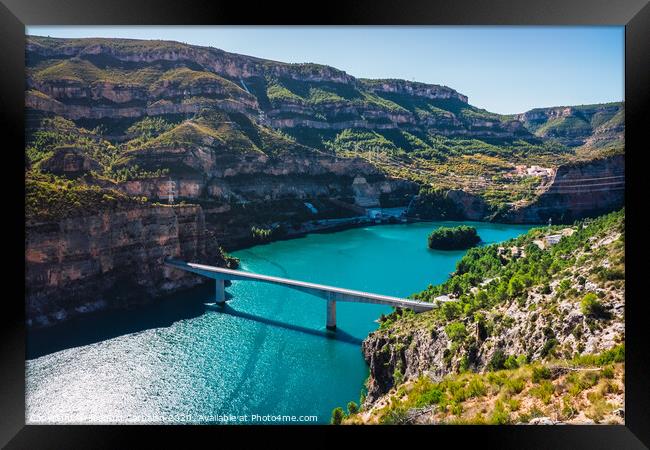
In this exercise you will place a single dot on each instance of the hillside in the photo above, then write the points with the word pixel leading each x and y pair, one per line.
pixel 119 126
pixel 131 79
pixel 535 301
pixel 583 390
pixel 142 110
pixel 597 125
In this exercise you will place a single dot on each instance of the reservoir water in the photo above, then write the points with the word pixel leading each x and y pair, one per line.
pixel 267 353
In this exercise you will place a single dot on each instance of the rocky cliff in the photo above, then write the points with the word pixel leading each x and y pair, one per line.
pixel 594 125
pixel 212 121
pixel 453 204
pixel 251 140
pixel 584 188
pixel 577 190
pixel 111 260
pixel 113 79
pixel 574 305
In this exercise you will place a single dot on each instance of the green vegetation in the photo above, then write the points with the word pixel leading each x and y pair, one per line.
pixel 48 197
pixel 581 119
pixel 456 331
pixel 321 93
pixel 185 78
pixel 356 142
pixel 232 262
pixel 136 173
pixel 613 355
pixel 540 373
pixel 453 238
pixel 498 360
pixel 277 92
pixel 150 77
pixel 227 132
pixel 435 204
pixel 264 235
pixel 513 277
pixel 146 129
pixel 562 125
pixel 498 396
pixel 118 45
pixel 353 408
pixel 591 306
pixel 481 167
pixel 337 416
pixel 56 132
pixel 79 71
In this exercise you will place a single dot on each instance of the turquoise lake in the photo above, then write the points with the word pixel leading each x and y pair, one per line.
pixel 266 353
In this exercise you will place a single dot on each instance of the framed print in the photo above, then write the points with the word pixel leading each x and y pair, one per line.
pixel 412 219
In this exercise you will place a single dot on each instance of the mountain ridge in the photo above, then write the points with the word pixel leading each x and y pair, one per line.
pixel 60 69
pixel 251 141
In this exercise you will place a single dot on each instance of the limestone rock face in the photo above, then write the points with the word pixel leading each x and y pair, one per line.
pixel 110 260
pixel 583 189
pixel 577 125
pixel 427 351
pixel 127 109
pixel 69 161
pixel 472 206
pixel 528 326
pixel 413 88
pixel 79 84
pixel 256 177
pixel 364 194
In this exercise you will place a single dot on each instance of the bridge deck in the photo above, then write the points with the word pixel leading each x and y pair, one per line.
pixel 328 292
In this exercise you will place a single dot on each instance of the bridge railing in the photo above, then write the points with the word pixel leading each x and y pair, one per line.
pixel 332 294
pixel 321 290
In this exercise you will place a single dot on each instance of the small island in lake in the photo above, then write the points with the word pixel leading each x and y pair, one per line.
pixel 453 238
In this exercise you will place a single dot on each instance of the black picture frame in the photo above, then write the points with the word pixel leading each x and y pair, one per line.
pixel 633 14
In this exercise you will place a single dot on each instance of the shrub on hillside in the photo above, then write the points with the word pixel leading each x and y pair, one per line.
pixel 337 416
pixel 591 306
pixel 497 361
pixel 456 331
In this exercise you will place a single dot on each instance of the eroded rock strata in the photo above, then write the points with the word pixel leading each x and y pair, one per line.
pixel 250 142
pixel 566 315
pixel 111 260
pixel 578 190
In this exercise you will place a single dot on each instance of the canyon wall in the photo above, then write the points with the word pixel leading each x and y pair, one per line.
pixel 250 140
pixel 598 124
pixel 541 322
pixel 578 190
pixel 99 79
pixel 111 260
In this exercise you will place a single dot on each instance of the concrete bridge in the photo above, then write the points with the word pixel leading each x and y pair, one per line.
pixel 331 294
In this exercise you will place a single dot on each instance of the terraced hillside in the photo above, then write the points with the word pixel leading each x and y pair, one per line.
pixel 134 114
pixel 595 125
pixel 116 125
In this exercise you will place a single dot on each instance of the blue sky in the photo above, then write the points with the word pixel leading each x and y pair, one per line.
pixel 502 69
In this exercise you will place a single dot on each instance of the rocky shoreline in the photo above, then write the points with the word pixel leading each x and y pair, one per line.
pixel 63 276
pixel 111 260
pixel 541 324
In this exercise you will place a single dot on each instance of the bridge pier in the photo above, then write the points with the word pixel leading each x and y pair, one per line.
pixel 331 314
pixel 219 292
pixel 331 294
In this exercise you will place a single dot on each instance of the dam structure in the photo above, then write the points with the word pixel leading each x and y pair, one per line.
pixel 331 294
